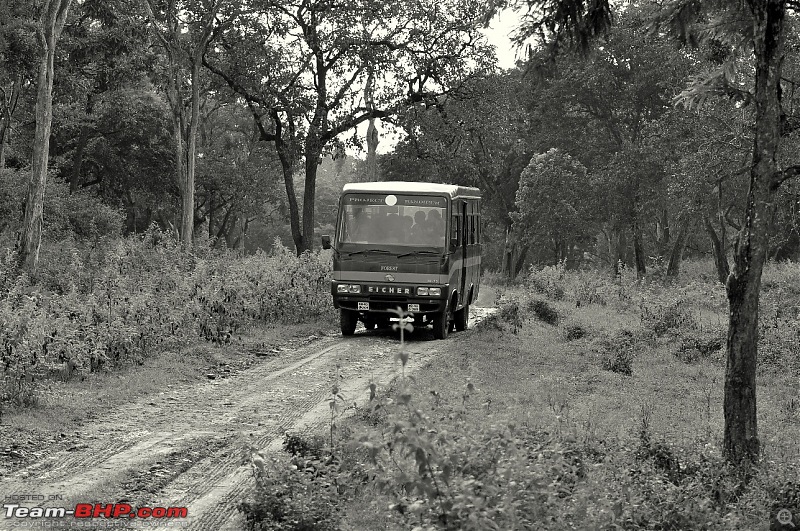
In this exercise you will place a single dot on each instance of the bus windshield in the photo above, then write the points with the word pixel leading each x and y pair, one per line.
pixel 393 220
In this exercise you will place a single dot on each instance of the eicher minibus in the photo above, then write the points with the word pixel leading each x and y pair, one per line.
pixel 407 245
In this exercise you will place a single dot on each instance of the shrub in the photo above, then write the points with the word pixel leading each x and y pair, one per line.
pixel 548 281
pixel 119 301
pixel 79 215
pixel 296 495
pixel 573 332
pixel 619 362
pixel 587 290
pixel 698 345
pixel 663 315
pixel 617 352
pixel 543 311
pixel 508 311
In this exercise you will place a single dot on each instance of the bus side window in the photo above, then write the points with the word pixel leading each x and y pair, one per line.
pixel 472 237
pixel 454 236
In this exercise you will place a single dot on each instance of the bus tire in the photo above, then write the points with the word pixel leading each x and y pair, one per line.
pixel 442 324
pixel 462 318
pixel 347 321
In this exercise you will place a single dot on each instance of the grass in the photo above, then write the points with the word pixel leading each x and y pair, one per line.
pixel 654 435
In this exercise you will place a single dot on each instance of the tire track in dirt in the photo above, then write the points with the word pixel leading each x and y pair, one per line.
pixel 255 407
pixel 119 442
pixel 213 500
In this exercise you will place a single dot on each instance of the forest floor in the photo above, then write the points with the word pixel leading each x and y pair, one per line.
pixel 180 430
pixel 176 431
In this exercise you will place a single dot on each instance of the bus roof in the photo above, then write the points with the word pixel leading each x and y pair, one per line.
pixel 451 190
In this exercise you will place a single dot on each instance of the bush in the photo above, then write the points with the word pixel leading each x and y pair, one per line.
pixel 120 301
pixel 573 332
pixel 617 352
pixel 543 311
pixel 548 281
pixel 508 311
pixel 664 315
pixel 80 215
pixel 697 345
pixel 587 290
pixel 289 497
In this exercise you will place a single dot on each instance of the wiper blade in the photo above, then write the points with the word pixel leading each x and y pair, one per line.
pixel 421 251
pixel 384 251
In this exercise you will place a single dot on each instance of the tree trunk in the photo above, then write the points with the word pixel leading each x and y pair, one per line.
pixel 309 196
pixel 718 250
pixel 372 131
pixel 663 236
pixel 54 13
pixel 83 139
pixel 638 250
pixel 372 151
pixel 676 253
pixel 187 209
pixel 9 105
pixel 180 157
pixel 741 442
pixel 285 155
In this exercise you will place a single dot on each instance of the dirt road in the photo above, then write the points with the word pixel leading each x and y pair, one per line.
pixel 186 448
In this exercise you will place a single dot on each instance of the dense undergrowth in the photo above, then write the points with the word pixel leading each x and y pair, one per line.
pixel 117 301
pixel 543 424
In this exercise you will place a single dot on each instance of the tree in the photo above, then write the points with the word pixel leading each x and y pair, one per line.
pixel 52 16
pixel 303 67
pixel 551 210
pixel 107 49
pixel 758 27
pixel 237 176
pixel 762 23
pixel 475 138
pixel 17 64
pixel 184 32
pixel 602 108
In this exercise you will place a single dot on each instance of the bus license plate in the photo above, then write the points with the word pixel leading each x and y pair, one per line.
pixel 413 307
pixel 363 306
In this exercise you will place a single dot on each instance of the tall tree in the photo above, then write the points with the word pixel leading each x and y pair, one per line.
pixel 759 28
pixel 303 66
pixel 52 15
pixel 551 204
pixel 476 138
pixel 17 64
pixel 107 49
pixel 184 32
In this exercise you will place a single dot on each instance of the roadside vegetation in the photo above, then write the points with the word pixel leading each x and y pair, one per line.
pixel 111 303
pixel 584 402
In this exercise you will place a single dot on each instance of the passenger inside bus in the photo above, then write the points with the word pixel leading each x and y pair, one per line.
pixel 420 226
pixel 435 228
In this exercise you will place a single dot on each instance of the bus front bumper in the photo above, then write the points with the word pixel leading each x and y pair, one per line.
pixel 389 303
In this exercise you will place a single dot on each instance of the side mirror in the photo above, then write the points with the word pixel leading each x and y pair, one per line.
pixel 326 241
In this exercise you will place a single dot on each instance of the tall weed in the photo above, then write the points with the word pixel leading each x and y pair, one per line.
pixel 119 300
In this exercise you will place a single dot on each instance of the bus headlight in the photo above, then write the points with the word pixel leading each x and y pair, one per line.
pixel 348 288
pixel 425 290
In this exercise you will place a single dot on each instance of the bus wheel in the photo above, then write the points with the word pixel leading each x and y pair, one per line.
pixel 348 320
pixel 462 318
pixel 442 324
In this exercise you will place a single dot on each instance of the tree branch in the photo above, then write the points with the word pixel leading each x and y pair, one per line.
pixel 787 173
